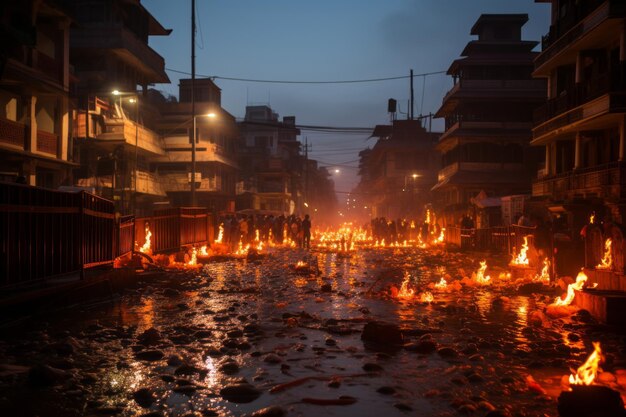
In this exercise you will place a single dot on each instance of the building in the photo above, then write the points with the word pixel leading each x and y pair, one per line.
pixel 270 161
pixel 115 134
pixel 35 76
pixel 582 127
pixel 216 136
pixel 488 118
pixel 398 172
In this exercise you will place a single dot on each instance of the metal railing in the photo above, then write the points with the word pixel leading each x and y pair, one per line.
pixel 502 239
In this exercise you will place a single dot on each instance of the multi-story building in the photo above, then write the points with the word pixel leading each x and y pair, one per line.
pixel 270 161
pixel 398 172
pixel 488 117
pixel 582 127
pixel 114 133
pixel 216 136
pixel 34 94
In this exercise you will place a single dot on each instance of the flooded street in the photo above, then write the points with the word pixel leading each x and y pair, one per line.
pixel 239 336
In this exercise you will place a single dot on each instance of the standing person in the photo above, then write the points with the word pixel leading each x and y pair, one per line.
pixel 306 232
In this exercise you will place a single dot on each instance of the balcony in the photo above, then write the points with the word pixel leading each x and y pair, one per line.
pixel 47 142
pixel 472 125
pixel 148 183
pixel 604 181
pixel 179 182
pixel 576 23
pixel 125 43
pixel 269 187
pixel 13 133
pixel 447 171
pixel 471 88
pixel 130 132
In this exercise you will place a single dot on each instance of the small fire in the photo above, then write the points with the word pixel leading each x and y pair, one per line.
pixel 592 218
pixel 427 297
pixel 581 278
pixel 257 236
pixel 259 246
pixel 606 261
pixel 220 234
pixel 442 284
pixel 521 258
pixel 301 265
pixel 441 237
pixel 146 246
pixel 545 273
pixel 194 258
pixel 406 292
pixel 587 372
pixel 203 251
pixel 480 276
pixel 241 249
pixel 427 221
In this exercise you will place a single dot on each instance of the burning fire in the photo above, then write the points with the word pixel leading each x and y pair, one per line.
pixel 442 284
pixel 581 278
pixel 587 372
pixel 427 217
pixel 427 297
pixel 480 276
pixel 592 218
pixel 545 273
pixel 194 259
pixel 301 265
pixel 257 237
pixel 441 237
pixel 146 246
pixel 203 251
pixel 521 258
pixel 220 234
pixel 606 261
pixel 406 292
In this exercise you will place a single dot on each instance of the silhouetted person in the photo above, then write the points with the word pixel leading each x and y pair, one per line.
pixel 306 232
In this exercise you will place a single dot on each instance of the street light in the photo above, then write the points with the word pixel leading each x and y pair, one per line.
pixel 134 100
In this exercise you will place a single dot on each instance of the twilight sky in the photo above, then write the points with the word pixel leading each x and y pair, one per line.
pixel 328 40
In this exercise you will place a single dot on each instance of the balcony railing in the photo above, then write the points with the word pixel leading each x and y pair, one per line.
pixel 177 182
pixel 12 133
pixel 602 181
pixel 131 133
pixel 47 142
pixel 525 87
pixel 148 183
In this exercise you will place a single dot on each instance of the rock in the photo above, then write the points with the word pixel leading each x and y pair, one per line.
pixel 498 413
pixel 234 333
pixel 372 367
pixel 447 352
pixel 584 401
pixel 273 411
pixel 144 397
pixel 174 360
pixel 45 375
pixel 229 367
pixel 386 390
pixel 150 337
pixel 171 292
pixel 272 358
pixel 475 378
pixel 185 389
pixel 149 355
pixel 326 288
pixel 203 334
pixel 425 347
pixel 403 407
pixel 330 342
pixel 240 393
pixel 382 333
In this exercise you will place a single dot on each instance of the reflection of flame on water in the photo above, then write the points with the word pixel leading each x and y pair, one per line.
pixel 442 284
pixel 146 246
pixel 427 297
pixel 521 258
pixel 479 276
pixel 587 372
pixel 606 261
pixel 544 277
pixel 406 292
pixel 576 286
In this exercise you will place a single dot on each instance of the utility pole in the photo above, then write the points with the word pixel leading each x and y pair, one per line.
pixel 412 99
pixel 193 103
pixel 306 169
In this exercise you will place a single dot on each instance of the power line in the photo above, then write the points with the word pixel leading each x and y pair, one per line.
pixel 251 80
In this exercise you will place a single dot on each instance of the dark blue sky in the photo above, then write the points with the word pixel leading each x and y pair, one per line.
pixel 317 40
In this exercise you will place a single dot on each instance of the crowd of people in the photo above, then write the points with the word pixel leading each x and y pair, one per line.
pixel 243 228
pixel 400 230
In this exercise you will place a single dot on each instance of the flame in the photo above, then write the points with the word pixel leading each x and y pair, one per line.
pixel 480 276
pixel 194 259
pixel 581 278
pixel 259 247
pixel 442 284
pixel 606 261
pixel 441 237
pixel 257 237
pixel 203 251
pixel 592 218
pixel 405 292
pixel 241 249
pixel 587 372
pixel 427 217
pixel 545 273
pixel 301 265
pixel 146 246
pixel 427 297
pixel 521 258
pixel 220 234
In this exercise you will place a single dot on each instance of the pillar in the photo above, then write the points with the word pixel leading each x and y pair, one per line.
pixel 622 139
pixel 548 164
pixel 577 151
pixel 32 123
pixel 579 68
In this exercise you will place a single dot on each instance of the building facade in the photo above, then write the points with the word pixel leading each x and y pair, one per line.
pixel 488 118
pixel 582 127
pixel 35 146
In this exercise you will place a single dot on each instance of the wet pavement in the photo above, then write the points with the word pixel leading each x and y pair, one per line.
pixel 265 338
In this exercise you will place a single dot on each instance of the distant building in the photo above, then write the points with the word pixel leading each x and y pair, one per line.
pixel 270 161
pixel 582 127
pixel 398 172
pixel 216 137
pixel 115 134
pixel 34 93
pixel 488 118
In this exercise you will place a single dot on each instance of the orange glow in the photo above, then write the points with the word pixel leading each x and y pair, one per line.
pixel 406 292
pixel 544 277
pixel 146 246
pixel 203 251
pixel 427 217
pixel 194 258
pixel 586 373
pixel 592 218
pixel 441 237
pixel 606 261
pixel 301 265
pixel 442 284
pixel 521 258
pixel 220 234
pixel 576 286
pixel 427 297
pixel 257 237
pixel 479 275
